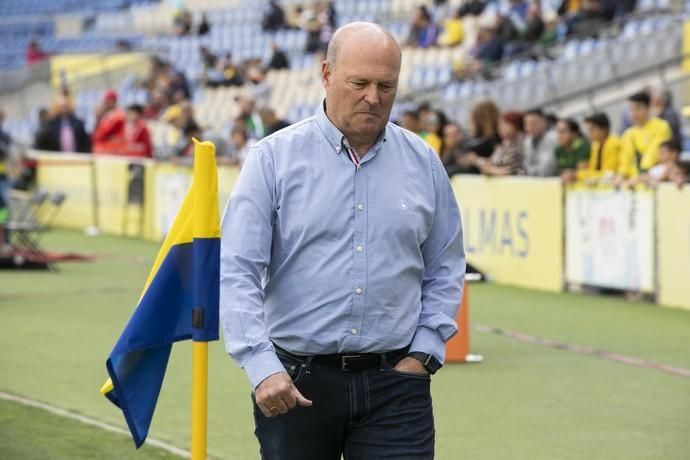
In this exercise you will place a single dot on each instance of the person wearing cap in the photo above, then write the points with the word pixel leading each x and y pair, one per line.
pixel 507 159
pixel 342 269
pixel 108 135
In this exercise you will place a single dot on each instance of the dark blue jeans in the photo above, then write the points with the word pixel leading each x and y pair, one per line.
pixel 379 413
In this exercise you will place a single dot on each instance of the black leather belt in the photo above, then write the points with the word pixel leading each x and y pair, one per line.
pixel 351 362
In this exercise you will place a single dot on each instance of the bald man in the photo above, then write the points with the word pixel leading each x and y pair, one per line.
pixel 342 269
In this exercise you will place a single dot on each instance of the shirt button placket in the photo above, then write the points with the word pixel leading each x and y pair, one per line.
pixel 359 259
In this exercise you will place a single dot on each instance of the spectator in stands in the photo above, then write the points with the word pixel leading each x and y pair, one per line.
pixel 624 7
pixel 65 132
pixel 204 25
pixel 225 73
pixel 137 135
pixel 157 102
pixel 107 105
pixel 432 130
pixel 34 53
pixel 454 149
pixel 208 60
pixel 521 27
pixel 605 149
pixel 423 31
pixel 540 145
pixel 171 138
pixel 472 8
pixel 271 121
pixel 42 135
pixel 513 20
pixel 507 159
pixel 185 146
pixel 241 144
pixel 257 85
pixel 484 135
pixel 279 59
pixel 179 89
pixel 588 17
pixel 487 51
pixel 453 32
pixel 662 101
pixel 274 19
pixel 182 23
pixel 668 168
pixel 108 135
pixel 640 143
pixel 250 117
pixel 572 152
pixel 411 122
pixel 320 24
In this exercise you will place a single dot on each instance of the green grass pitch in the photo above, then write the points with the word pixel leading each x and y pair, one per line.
pixel 524 402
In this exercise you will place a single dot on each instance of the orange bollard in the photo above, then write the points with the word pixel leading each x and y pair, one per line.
pixel 458 348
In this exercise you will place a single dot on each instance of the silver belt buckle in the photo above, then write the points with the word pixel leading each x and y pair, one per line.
pixel 343 361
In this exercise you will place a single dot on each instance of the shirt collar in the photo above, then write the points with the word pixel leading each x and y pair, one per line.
pixel 333 135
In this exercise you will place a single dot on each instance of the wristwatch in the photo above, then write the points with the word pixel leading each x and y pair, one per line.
pixel 431 364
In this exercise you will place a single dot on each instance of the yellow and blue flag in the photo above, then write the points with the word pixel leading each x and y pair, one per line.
pixel 179 300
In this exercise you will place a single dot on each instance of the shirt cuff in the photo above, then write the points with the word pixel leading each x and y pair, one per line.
pixel 430 342
pixel 262 365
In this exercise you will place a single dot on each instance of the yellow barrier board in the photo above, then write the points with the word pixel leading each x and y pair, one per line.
pixel 673 250
pixel 513 229
pixel 112 180
pixel 71 174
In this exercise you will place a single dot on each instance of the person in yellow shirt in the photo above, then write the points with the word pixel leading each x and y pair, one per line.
pixel 605 151
pixel 453 31
pixel 431 126
pixel 640 143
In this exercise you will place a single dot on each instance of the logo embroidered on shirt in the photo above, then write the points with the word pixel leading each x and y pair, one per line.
pixel 403 205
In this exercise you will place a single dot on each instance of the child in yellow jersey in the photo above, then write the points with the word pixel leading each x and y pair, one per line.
pixel 605 150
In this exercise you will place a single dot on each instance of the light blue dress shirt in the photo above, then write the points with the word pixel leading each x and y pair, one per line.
pixel 320 257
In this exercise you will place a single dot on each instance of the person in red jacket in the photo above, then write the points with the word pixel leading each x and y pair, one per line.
pixel 137 135
pixel 34 53
pixel 108 136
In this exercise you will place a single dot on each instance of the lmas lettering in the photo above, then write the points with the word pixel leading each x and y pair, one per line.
pixel 498 232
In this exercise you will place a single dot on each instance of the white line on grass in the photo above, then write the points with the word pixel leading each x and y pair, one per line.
pixel 583 350
pixel 91 421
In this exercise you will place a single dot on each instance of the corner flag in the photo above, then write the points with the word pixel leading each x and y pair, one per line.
pixel 179 301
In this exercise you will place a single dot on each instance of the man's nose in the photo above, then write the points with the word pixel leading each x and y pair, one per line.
pixel 371 96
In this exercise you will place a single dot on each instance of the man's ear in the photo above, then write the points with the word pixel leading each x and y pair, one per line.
pixel 325 73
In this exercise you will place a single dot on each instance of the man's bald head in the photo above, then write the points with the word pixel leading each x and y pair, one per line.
pixel 363 33
pixel 360 76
